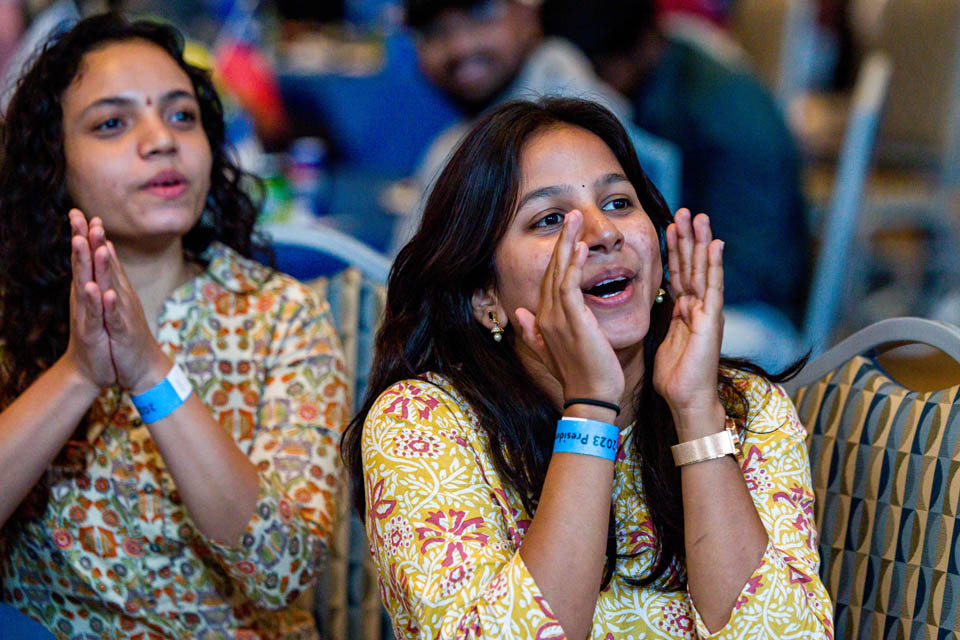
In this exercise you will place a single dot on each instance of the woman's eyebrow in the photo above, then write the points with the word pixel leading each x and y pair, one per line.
pixel 544 192
pixel 562 189
pixel 112 101
pixel 609 179
pixel 176 94
pixel 124 101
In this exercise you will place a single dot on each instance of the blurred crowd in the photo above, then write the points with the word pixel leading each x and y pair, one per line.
pixel 348 110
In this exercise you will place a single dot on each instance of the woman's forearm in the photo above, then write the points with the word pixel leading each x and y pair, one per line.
pixel 215 479
pixel 723 534
pixel 34 428
pixel 565 545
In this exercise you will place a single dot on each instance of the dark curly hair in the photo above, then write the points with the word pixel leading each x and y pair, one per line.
pixel 35 271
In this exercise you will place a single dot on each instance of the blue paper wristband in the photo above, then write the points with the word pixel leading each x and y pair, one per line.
pixel 587 437
pixel 164 398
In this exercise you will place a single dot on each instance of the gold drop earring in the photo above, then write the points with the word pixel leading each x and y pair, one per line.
pixel 496 330
pixel 660 295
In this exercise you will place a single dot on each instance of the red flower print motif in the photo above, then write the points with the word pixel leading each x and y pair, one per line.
pixel 378 508
pixel 210 291
pixel 133 547
pixel 308 411
pixel 411 398
pixel 451 531
pixel 456 579
pixel 286 511
pixel 803 501
pixel 453 435
pixel 265 303
pixel 469 626
pixel 245 567
pixel 675 619
pixel 497 588
pixel 750 588
pixel 399 535
pixel 61 538
pixel 414 444
pixel 397 582
pixel 797 576
pixel 551 629
pixel 757 478
pixel 78 513
pixel 110 518
pixel 643 539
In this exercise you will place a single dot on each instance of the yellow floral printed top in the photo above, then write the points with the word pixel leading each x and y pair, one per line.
pixel 116 555
pixel 445 531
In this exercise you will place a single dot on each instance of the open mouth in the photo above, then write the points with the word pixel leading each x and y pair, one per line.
pixel 608 288
pixel 168 185
pixel 165 182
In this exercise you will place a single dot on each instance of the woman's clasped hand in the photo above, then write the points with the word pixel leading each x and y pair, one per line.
pixel 110 339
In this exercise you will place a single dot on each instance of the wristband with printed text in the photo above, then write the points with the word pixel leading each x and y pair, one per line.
pixel 587 437
pixel 164 398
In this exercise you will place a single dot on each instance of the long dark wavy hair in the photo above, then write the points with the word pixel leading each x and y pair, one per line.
pixel 35 271
pixel 430 325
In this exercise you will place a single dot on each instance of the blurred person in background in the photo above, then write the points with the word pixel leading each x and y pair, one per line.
pixel 170 408
pixel 716 11
pixel 484 52
pixel 11 27
pixel 741 164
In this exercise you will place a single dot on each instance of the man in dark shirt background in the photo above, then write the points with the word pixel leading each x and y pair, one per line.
pixel 740 162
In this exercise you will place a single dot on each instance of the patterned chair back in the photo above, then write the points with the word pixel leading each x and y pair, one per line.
pixel 347 605
pixel 886 474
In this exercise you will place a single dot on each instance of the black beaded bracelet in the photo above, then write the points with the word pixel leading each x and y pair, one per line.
pixel 591 401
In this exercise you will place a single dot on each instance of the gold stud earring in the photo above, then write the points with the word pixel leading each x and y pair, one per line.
pixel 660 295
pixel 496 330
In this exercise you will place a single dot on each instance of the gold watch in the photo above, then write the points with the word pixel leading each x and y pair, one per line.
pixel 716 445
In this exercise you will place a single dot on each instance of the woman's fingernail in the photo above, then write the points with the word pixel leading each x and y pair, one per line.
pixel 722 244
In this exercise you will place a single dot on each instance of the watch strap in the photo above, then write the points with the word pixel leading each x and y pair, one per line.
pixel 715 445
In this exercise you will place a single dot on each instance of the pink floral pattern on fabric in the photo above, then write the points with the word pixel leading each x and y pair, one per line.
pixel 463 577
pixel 117 554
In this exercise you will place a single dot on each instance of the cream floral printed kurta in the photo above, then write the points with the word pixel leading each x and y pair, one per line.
pixel 116 555
pixel 445 532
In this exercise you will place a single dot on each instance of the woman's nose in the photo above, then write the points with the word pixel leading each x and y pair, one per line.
pixel 156 137
pixel 600 232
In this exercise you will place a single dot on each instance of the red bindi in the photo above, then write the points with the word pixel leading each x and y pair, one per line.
pixel 149 101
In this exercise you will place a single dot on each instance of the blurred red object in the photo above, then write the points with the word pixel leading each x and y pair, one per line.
pixel 247 75
pixel 716 11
